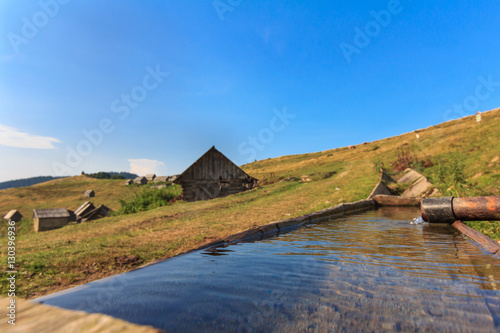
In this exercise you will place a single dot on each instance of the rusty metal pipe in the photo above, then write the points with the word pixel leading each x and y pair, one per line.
pixel 449 209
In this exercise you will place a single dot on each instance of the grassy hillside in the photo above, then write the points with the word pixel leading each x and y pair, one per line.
pixel 64 192
pixel 77 254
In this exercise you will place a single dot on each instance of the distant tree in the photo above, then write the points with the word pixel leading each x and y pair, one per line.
pixel 128 175
pixel 100 175
pixel 112 174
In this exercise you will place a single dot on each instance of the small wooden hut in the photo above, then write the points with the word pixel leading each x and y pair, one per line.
pixel 172 178
pixel 129 182
pixel 13 215
pixel 89 194
pixel 151 177
pixel 52 218
pixel 141 180
pixel 161 179
pixel 213 175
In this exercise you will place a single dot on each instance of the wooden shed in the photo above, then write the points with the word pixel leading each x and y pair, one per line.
pixel 13 215
pixel 150 177
pixel 172 178
pixel 48 219
pixel 129 182
pixel 141 180
pixel 89 194
pixel 213 175
pixel 161 179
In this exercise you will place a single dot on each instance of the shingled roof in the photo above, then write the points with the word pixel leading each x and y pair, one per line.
pixel 51 212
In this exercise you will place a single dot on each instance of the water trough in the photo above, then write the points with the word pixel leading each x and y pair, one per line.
pixel 361 269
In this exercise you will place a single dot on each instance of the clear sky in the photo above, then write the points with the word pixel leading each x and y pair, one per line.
pixel 149 86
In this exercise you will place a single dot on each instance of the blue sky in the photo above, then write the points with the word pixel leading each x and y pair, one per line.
pixel 149 86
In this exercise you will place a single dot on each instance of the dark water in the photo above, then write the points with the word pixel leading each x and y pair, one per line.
pixel 368 272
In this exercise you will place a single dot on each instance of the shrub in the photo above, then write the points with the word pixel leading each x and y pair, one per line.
pixel 405 159
pixel 149 198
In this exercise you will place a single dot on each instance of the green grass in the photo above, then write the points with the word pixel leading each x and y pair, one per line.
pixel 489 228
pixel 148 198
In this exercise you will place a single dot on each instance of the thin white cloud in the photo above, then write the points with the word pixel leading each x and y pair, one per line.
pixel 144 166
pixel 12 137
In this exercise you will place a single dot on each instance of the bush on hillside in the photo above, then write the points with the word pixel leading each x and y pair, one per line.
pixel 149 198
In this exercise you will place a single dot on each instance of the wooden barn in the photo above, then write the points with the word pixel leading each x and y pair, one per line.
pixel 150 177
pixel 13 215
pixel 52 218
pixel 89 194
pixel 129 182
pixel 213 175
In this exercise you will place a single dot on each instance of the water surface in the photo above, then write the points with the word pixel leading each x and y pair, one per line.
pixel 369 272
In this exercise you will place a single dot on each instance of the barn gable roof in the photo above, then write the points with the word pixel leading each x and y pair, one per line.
pixel 213 165
pixel 51 212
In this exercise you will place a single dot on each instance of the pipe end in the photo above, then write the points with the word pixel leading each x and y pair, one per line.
pixel 437 210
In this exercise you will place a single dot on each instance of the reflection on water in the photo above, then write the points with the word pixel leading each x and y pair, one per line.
pixel 369 272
